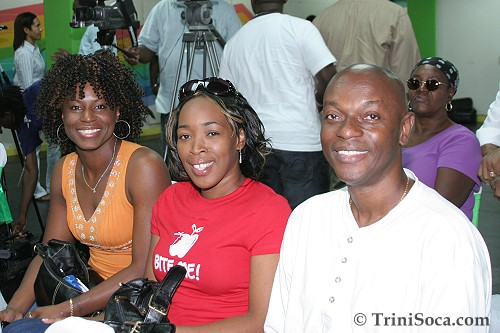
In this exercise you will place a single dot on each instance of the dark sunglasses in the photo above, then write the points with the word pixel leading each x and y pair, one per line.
pixel 213 85
pixel 431 84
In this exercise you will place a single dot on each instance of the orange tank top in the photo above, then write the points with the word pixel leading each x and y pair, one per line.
pixel 108 232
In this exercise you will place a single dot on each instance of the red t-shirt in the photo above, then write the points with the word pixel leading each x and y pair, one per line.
pixel 214 240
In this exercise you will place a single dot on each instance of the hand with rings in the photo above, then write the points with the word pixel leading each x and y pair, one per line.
pixel 489 169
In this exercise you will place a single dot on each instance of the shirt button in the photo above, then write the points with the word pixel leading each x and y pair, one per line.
pixel 337 279
pixel 331 299
pixel 349 239
pixel 344 260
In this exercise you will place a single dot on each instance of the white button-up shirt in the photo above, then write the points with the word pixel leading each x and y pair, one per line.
pixel 424 259
pixel 29 65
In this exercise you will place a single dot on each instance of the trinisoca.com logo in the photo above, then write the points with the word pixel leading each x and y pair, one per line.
pixel 184 242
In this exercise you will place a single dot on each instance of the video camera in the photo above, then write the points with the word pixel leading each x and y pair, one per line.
pixel 121 15
pixel 197 12
pixel 198 16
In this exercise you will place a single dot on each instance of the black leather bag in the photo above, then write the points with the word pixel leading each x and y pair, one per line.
pixel 141 305
pixel 60 259
pixel 16 253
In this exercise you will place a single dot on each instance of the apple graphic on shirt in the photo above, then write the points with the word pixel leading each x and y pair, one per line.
pixel 184 242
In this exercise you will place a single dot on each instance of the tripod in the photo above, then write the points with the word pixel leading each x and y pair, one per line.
pixel 198 37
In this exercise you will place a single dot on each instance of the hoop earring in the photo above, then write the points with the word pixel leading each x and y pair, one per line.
pixel 58 136
pixel 241 157
pixel 125 136
pixel 409 106
pixel 449 106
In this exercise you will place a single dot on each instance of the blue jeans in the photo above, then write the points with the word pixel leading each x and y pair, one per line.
pixel 25 325
pixel 296 175
pixel 53 155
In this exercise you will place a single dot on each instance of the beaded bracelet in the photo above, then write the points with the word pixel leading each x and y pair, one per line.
pixel 71 307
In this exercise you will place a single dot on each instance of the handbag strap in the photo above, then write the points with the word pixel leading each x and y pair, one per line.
pixel 47 260
pixel 40 249
pixel 161 299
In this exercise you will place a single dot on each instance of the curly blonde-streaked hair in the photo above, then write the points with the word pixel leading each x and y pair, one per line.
pixel 111 81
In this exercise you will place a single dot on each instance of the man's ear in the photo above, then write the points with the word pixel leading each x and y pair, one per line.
pixel 406 128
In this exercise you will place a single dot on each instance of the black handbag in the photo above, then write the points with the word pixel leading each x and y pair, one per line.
pixel 60 259
pixel 141 305
pixel 16 253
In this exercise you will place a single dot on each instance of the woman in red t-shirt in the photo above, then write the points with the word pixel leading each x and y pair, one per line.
pixel 218 221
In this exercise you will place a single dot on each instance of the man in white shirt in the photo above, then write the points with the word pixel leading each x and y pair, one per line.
pixel 162 35
pixel 281 64
pixel 385 251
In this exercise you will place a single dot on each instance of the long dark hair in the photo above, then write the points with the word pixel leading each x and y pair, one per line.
pixel 23 20
pixel 240 115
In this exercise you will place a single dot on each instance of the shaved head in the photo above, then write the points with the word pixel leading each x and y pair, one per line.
pixel 364 124
pixel 396 87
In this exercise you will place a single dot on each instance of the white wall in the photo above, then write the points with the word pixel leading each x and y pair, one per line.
pixel 7 4
pixel 468 35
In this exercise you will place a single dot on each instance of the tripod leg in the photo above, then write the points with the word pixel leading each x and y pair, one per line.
pixel 39 216
pixel 211 51
pixel 191 59
pixel 174 95
pixel 177 76
pixel 185 46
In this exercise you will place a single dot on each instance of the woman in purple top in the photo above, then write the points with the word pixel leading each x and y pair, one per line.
pixel 443 154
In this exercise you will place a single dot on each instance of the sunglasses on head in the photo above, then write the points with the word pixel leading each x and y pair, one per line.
pixel 214 85
pixel 431 84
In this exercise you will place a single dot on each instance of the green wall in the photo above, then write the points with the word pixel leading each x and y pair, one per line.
pixel 57 18
pixel 423 18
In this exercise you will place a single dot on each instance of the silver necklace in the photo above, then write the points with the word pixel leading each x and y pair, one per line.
pixel 93 189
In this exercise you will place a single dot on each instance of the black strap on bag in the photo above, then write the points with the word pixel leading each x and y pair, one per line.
pixel 141 305
pixel 160 301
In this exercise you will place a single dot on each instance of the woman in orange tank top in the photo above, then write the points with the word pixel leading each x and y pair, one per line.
pixel 103 191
